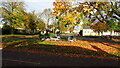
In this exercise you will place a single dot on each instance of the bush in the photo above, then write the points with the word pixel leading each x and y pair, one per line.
pixel 47 35
pixel 41 36
pixel 6 31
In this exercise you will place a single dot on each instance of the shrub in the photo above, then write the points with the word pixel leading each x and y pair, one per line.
pixel 41 36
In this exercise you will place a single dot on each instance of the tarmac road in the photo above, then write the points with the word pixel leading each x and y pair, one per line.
pixel 10 58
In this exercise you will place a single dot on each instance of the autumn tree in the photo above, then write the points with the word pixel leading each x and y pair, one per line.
pixel 54 27
pixel 101 13
pixel 61 9
pixel 104 12
pixel 41 26
pixel 65 12
pixel 62 27
pixel 99 27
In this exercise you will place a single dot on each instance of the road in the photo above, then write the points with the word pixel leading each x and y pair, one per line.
pixel 10 58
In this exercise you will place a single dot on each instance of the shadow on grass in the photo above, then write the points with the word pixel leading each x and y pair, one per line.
pixel 96 39
pixel 12 44
pixel 101 51
pixel 110 46
pixel 60 49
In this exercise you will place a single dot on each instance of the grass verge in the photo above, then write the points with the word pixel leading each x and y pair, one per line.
pixel 12 36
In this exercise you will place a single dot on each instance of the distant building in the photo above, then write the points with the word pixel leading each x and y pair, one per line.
pixel 87 31
pixel 1 25
pixel 76 29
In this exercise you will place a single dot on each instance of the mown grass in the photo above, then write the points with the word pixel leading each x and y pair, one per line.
pixel 50 46
pixel 13 35
pixel 17 35
pixel 46 43
pixel 116 54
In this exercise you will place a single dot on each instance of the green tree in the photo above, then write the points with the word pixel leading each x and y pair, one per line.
pixel 65 12
pixel 62 27
pixel 30 21
pixel 112 25
pixel 115 11
pixel 12 13
pixel 89 13
pixel 41 26
pixel 54 26
pixel 46 16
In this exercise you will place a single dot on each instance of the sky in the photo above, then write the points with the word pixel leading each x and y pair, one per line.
pixel 38 5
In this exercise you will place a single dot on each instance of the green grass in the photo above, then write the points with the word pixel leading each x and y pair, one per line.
pixel 68 43
pixel 8 40
pixel 52 34
pixel 13 35
pixel 116 54
pixel 18 35
pixel 65 38
pixel 36 44
pixel 45 43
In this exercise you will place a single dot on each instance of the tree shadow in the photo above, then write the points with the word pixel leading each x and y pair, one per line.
pixel 101 51
pixel 96 39
pixel 110 46
pixel 12 44
pixel 62 49
pixel 58 49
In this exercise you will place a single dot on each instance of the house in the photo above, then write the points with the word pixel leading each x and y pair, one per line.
pixel 87 31
pixel 76 29
pixel 1 25
pixel 26 31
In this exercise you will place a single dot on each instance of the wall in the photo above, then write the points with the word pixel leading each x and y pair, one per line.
pixel 90 32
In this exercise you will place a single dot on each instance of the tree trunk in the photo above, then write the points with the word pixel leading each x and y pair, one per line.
pixel 102 33
pixel 12 30
pixel 32 31
pixel 11 22
pixel 110 35
pixel 98 33
pixel 58 27
pixel 46 26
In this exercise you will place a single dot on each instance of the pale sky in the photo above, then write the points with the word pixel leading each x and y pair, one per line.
pixel 38 5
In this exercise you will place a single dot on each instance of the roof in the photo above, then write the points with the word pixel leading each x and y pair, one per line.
pixel 86 27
